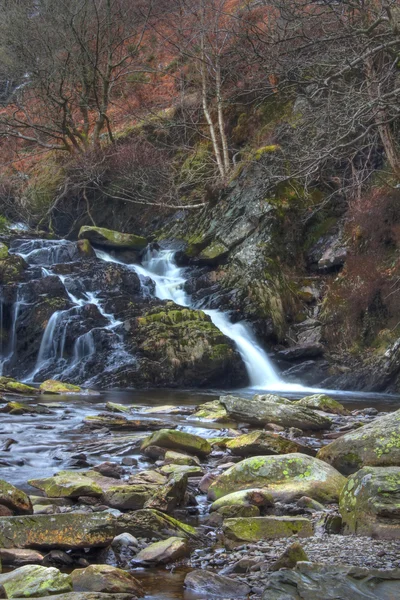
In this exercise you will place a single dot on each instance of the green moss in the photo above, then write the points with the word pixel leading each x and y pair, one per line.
pixel 264 150
pixel 112 239
pixel 3 251
pixel 258 528
pixel 59 387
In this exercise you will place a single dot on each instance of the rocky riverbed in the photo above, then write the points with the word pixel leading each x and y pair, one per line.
pixel 231 496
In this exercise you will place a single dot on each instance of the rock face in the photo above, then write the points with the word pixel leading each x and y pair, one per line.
pixel 33 581
pixel 286 477
pixel 112 239
pixel 369 502
pixel 173 439
pixel 261 410
pixel 312 581
pixel 14 499
pixel 211 585
pixel 253 529
pixel 376 444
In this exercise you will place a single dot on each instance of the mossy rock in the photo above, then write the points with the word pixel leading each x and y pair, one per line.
pixel 3 251
pixel 33 581
pixel 323 402
pixel 68 484
pixel 164 552
pixel 376 444
pixel 106 579
pixel 7 384
pixel 251 497
pixel 258 443
pixel 11 269
pixel 286 477
pixel 151 523
pixel 65 531
pixel 188 470
pixel 85 248
pixel 369 503
pixel 128 497
pixel 291 556
pixel 172 439
pixel 51 386
pixel 112 239
pixel 177 458
pixel 253 529
pixel 234 511
pixel 15 499
pixel 211 411
pixel 118 408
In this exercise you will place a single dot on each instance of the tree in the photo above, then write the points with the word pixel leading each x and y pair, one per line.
pixel 69 55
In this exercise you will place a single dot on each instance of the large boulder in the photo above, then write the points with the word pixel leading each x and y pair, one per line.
pixel 257 443
pixel 263 409
pixel 106 579
pixel 369 502
pixel 376 444
pixel 52 386
pixel 68 484
pixel 313 581
pixel 112 239
pixel 14 499
pixel 172 439
pixel 34 581
pixel 253 529
pixel 286 477
pixel 65 531
pixel 211 585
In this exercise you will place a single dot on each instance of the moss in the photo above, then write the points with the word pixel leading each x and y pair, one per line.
pixel 3 251
pixel 112 239
pixel 214 251
pixel 58 387
pixel 252 529
pixel 4 224
pixel 7 384
pixel 264 150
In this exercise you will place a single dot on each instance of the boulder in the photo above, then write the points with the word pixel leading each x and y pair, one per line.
pixel 211 411
pixel 19 558
pixel 169 496
pixel 253 529
pixel 163 552
pixel 258 443
pixel 7 384
pixel 33 581
pixel 188 470
pixel 51 386
pixel 106 579
pixel 376 444
pixel 178 458
pixel 211 585
pixel 120 423
pixel 287 477
pixel 89 596
pixel 128 497
pixel 14 499
pixel 291 556
pixel 313 581
pixel 68 484
pixel 112 239
pixel 268 408
pixel 369 503
pixel 302 352
pixel 252 497
pixel 323 402
pixel 172 439
pixel 150 523
pixel 65 531
pixel 3 251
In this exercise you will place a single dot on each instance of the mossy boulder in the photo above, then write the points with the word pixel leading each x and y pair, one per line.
pixel 171 495
pixel 258 443
pixel 68 484
pixel 15 499
pixel 376 444
pixel 7 384
pixel 128 497
pixel 153 524
pixel 172 439
pixel 51 386
pixel 164 552
pixel 286 477
pixel 188 470
pixel 211 411
pixel 178 458
pixel 112 239
pixel 253 529
pixel 12 269
pixel 291 556
pixel 323 402
pixel 65 531
pixel 369 502
pixel 106 579
pixel 34 581
pixel 263 409
pixel 252 497
pixel 3 251
pixel 118 408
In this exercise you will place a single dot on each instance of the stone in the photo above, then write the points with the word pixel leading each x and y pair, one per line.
pixel 118 408
pixel 19 558
pixel 89 596
pixel 112 239
pixel 211 411
pixel 109 469
pixel 251 497
pixel 258 443
pixel 177 458
pixel 169 496
pixel 50 386
pixel 291 556
pixel 369 503
pixel 253 529
pixel 128 497
pixel 323 402
pixel 189 471
pixel 7 384
pixel 124 539
pixel 32 581
pixel 286 477
pixel 14 499
pixel 106 579
pixel 172 439
pixel 302 352
pixel 85 249
pixel 65 531
pixel 163 552
pixel 236 510
pixel 211 585
pixel 150 523
pixel 121 423
pixel 376 444
pixel 313 581
pixel 261 410
pixel 68 484
pixel 3 251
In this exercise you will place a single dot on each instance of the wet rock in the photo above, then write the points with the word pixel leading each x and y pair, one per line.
pixel 50 386
pixel 32 581
pixel 206 481
pixel 211 411
pixel 258 443
pixel 85 249
pixel 7 384
pixel 112 239
pixel 376 444
pixel 12 269
pixel 323 402
pixel 65 531
pixel 109 469
pixel 188 470
pixel 252 529
pixel 172 439
pixel 251 497
pixel 118 408
pixel 291 556
pixel 128 497
pixel 121 423
pixel 17 408
pixel 268 408
pixel 313 581
pixel 68 484
pixel 89 596
pixel 152 523
pixel 19 558
pixel 3 251
pixel 369 502
pixel 106 579
pixel 163 552
pixel 124 540
pixel 14 499
pixel 212 585
pixel 286 477
pixel 57 558
pixel 301 352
